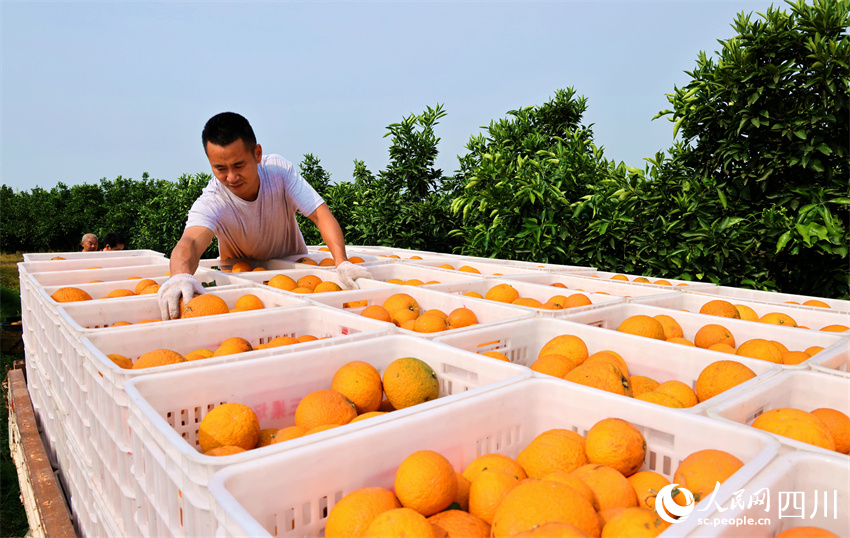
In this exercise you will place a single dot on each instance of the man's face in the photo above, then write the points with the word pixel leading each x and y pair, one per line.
pixel 235 166
pixel 89 244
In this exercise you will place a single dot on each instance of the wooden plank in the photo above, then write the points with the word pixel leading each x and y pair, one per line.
pixel 47 510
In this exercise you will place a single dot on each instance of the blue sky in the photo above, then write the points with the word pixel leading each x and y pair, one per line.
pixel 95 90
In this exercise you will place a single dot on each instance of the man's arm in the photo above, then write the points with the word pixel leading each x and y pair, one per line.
pixel 331 232
pixel 187 253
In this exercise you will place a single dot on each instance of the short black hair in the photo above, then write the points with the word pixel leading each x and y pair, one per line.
pixel 113 239
pixel 226 128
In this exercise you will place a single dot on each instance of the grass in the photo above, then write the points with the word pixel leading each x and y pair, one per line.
pixel 9 270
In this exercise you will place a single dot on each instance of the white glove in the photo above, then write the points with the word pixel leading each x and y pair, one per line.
pixel 348 273
pixel 180 285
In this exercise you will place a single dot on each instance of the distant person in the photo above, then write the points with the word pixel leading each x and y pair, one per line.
pixel 113 241
pixel 250 207
pixel 89 243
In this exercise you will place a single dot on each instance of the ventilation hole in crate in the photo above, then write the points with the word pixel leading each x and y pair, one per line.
pixel 667 467
pixel 752 416
pixel 197 413
pixel 323 507
pixel 184 414
pixel 653 457
pixel 169 418
pixel 289 519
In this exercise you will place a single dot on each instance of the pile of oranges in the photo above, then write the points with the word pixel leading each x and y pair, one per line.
pixel 305 284
pixel 357 392
pixel 326 262
pixel 404 311
pixel 824 427
pixel 725 309
pixel 560 484
pixel 505 293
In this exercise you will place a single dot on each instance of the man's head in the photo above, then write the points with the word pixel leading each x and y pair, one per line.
pixel 234 154
pixel 89 243
pixel 113 241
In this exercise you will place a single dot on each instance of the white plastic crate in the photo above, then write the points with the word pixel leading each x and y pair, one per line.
pixel 839 305
pixel 528 290
pixel 814 319
pixel 48 266
pixel 539 266
pixel 522 341
pixel 687 284
pixel 837 363
pixel 409 271
pixel 610 317
pixel 804 390
pixel 491 268
pixel 107 274
pixel 596 285
pixel 167 408
pixel 105 381
pixel 282 495
pixel 261 278
pixel 487 312
pixel 819 484
pixel 47 256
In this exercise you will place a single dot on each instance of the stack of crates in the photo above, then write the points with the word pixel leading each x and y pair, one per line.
pixel 126 441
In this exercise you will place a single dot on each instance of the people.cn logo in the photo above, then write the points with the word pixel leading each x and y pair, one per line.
pixel 665 505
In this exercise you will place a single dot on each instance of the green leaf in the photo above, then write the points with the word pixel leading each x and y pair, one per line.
pixel 722 198
pixel 783 240
pixel 801 134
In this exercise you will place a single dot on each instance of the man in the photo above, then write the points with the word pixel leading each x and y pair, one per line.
pixel 113 241
pixel 89 243
pixel 250 207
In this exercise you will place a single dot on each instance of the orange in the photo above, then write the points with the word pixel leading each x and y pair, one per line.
pixel 795 424
pixel 835 328
pixel 401 301
pixel 409 325
pixel 642 325
pixel 635 522
pixel 377 312
pixel 204 305
pixel 395 281
pixel 352 515
pixel 158 357
pixel 746 313
pixel 806 532
pixel 527 301
pixel 758 348
pixel 279 341
pixel 360 382
pixel 607 515
pixel 660 399
pixel 814 349
pixel 617 444
pixel 224 450
pixel 462 497
pixel 671 326
pixel 461 317
pixel 322 407
pixel 370 414
pixel 70 295
pixel 778 318
pixel 553 529
pixel 568 345
pixel 558 300
pixel 647 484
pixel 425 481
pixel 611 357
pixel 678 340
pixel 460 524
pixel 641 279
pixel 662 283
pixel 496 355
pixel 150 290
pixel 308 281
pixel 720 376
pixel 249 301
pixel 290 432
pixel 682 392
pixel 552 451
pixel 612 489
pixel 536 502
pixel 413 282
pixel 720 307
pixel 410 381
pixel 816 302
pixel 554 365
pixel 144 283
pixel 474 294
pixel 447 266
pixel 400 523
pixel 356 259
pixel 266 437
pixel 241 267
pixel 722 348
pixel 780 346
pixel 402 315
pixel 487 491
pixel 121 361
pixel 198 354
pixel 711 334
pixel 326 262
pixel 641 384
pixel 503 293
pixel 233 345
pixel 576 483
pixel 795 357
pixel 620 277
pixel 429 323
pixel 558 285
pixel 700 471
pixel 306 261
pixel 229 424
pixel 600 375
pixel 326 287
pixel 283 282
pixel 58 258
pixel 438 312
pixel 493 461
pixel 468 269
pixel 577 299
pixel 838 425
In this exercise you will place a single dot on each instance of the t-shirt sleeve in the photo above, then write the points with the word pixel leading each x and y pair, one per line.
pixel 202 213
pixel 304 196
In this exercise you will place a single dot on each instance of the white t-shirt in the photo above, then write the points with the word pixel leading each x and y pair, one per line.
pixel 265 228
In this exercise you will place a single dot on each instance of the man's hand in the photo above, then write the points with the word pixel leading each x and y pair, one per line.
pixel 349 273
pixel 180 285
